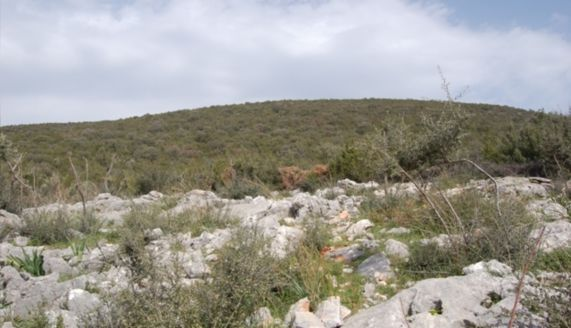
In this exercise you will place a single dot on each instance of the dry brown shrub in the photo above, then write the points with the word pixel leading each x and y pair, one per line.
pixel 320 170
pixel 292 176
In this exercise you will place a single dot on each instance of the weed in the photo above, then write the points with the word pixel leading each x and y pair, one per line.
pixel 78 247
pixel 37 320
pixel 246 277
pixel 558 261
pixel 47 227
pixel 33 264
pixel 317 233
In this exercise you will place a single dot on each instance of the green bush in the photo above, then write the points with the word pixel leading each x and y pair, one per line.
pixel 541 144
pixel 45 228
pixel 397 145
pixel 49 228
pixel 245 277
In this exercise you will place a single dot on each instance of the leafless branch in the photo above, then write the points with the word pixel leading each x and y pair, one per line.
pixel 524 271
pixel 78 185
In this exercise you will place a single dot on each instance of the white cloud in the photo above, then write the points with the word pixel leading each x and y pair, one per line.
pixel 87 60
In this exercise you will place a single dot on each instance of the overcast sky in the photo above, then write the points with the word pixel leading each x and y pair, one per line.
pixel 77 60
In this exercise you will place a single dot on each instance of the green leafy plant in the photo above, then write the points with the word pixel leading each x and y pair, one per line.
pixel 33 264
pixel 78 247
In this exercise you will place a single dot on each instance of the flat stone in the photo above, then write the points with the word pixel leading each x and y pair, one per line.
pixel 306 320
pixel 397 249
pixel 377 263
pixel 346 254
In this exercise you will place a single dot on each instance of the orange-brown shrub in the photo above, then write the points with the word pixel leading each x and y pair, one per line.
pixel 292 176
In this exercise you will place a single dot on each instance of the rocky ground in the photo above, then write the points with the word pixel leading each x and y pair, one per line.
pixel 75 279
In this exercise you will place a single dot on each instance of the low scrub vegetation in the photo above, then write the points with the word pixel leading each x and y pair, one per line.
pixel 58 227
pixel 480 234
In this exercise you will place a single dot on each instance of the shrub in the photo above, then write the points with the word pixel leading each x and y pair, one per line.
pixel 47 227
pixel 245 277
pixel 397 145
pixel 33 264
pixel 37 320
pixel 559 261
pixel 481 234
pixel 541 144
pixel 317 234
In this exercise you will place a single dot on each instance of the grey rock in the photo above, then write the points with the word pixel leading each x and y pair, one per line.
pixel 196 267
pixel 352 185
pixel 398 231
pixel 57 264
pixel 21 241
pixel 262 318
pixel 331 312
pixel 306 320
pixel 492 267
pixel 546 209
pixel 397 249
pixel 442 240
pixel 35 292
pixel 197 199
pixel 112 281
pixel 330 193
pixel 515 186
pixel 154 234
pixel 81 302
pixel 557 235
pixel 445 302
pixel 11 278
pixel 151 197
pixel 10 220
pixel 358 229
pixel 377 263
pixel 69 319
pixel 300 306
pixel 285 240
pixel 346 254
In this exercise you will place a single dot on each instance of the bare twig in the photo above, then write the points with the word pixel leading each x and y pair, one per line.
pixel 524 271
pixel 14 169
pixel 108 173
pixel 454 213
pixel 78 185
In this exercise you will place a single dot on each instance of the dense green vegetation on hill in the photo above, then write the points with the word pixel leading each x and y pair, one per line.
pixel 217 147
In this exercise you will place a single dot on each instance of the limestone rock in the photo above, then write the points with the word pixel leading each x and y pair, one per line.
pixel 300 306
pixel 398 231
pixel 546 210
pixel 557 235
pixel 444 302
pixel 374 265
pixel 358 229
pixel 262 318
pixel 397 249
pixel 306 320
pixel 346 254
pixel 331 312
pixel 56 264
pixel 82 302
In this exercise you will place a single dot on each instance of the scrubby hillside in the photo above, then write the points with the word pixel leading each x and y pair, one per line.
pixel 199 148
pixel 315 249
